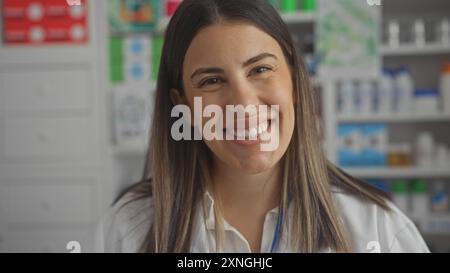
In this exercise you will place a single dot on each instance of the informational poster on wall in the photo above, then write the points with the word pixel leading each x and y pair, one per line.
pixel 127 16
pixel 348 39
pixel 44 22
pixel 134 59
pixel 133 110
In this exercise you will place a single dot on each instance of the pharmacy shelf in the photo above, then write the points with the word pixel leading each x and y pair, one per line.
pixel 407 49
pixel 435 224
pixel 299 17
pixel 405 172
pixel 395 118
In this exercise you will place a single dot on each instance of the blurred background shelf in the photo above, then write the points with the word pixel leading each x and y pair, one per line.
pixel 406 172
pixel 435 224
pixel 392 118
pixel 427 49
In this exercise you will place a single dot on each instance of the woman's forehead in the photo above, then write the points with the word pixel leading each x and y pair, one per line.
pixel 229 42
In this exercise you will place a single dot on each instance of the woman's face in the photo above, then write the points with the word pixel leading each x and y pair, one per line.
pixel 238 64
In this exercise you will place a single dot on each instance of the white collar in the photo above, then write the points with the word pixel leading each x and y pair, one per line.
pixel 210 219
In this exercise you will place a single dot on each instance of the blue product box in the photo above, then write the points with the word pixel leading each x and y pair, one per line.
pixel 374 148
pixel 349 145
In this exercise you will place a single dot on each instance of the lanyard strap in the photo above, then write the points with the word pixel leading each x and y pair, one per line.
pixel 276 234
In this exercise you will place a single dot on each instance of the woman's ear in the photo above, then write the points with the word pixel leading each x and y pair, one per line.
pixel 176 97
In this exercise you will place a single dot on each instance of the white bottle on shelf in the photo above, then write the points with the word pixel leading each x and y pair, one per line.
pixel 393 33
pixel 419 34
pixel 385 92
pixel 426 101
pixel 404 91
pixel 425 150
pixel 444 32
pixel 444 88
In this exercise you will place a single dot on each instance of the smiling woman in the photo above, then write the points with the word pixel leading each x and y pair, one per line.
pixel 229 195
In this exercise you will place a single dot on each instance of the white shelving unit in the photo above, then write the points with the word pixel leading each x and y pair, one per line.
pixel 424 63
pixel 395 118
pixel 435 224
pixel 410 55
pixel 398 172
pixel 428 49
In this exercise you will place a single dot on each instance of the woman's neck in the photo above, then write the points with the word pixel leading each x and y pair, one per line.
pixel 253 192
pixel 246 198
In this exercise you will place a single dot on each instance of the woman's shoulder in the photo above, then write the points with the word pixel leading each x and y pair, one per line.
pixel 131 210
pixel 372 227
pixel 125 224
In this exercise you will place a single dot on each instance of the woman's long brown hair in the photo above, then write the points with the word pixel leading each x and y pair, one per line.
pixel 177 173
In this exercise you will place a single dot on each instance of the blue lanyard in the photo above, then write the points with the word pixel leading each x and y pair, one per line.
pixel 276 234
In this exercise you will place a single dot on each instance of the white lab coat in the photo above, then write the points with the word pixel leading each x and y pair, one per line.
pixel 370 228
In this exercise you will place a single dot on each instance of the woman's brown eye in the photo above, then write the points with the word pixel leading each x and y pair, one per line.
pixel 210 81
pixel 260 70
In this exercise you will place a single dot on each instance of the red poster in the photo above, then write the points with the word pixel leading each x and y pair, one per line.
pixel 33 22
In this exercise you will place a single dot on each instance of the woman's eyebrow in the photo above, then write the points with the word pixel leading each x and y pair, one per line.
pixel 258 58
pixel 206 70
pixel 210 70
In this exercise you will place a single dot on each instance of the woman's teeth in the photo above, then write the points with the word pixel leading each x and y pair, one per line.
pixel 251 133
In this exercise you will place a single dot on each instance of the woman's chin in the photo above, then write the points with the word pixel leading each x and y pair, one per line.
pixel 255 165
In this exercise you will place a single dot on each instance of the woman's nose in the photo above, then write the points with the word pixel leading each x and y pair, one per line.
pixel 242 93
